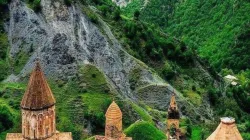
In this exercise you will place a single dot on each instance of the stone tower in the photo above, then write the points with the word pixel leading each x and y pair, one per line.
pixel 38 107
pixel 173 131
pixel 113 128
pixel 38 111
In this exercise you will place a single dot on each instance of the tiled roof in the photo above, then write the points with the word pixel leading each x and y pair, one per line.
pixel 38 94
pixel 227 130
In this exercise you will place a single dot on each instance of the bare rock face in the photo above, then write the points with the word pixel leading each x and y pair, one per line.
pixel 121 3
pixel 64 38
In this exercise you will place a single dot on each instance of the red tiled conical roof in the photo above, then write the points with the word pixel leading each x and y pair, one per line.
pixel 38 94
pixel 113 111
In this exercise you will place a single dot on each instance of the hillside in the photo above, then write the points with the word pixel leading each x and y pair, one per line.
pixel 93 51
pixel 217 31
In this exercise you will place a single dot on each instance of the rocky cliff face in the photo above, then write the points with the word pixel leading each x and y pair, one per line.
pixel 64 39
pixel 121 3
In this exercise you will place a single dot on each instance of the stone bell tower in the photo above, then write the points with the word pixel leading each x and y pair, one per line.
pixel 38 111
pixel 113 128
pixel 173 131
pixel 38 107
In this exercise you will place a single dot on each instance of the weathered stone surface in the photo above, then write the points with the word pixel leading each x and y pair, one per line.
pixel 64 38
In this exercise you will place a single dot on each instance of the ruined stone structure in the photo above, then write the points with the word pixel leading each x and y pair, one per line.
pixel 113 128
pixel 173 131
pixel 38 111
pixel 227 130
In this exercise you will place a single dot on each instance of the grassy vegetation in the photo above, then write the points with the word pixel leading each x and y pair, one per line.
pixel 196 133
pixel 19 61
pixel 130 9
pixel 34 4
pixel 92 79
pixel 10 97
pixel 82 101
pixel 144 131
pixel 4 65
pixel 95 109
pixel 194 97
pixel 134 77
pixel 143 114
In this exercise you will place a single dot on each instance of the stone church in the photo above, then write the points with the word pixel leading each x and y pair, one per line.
pixel 38 111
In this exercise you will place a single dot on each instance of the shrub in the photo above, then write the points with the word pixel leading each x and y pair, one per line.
pixel 104 9
pixel 91 15
pixel 167 71
pixel 68 2
pixel 144 131
pixel 136 14
pixel 4 45
pixel 6 118
pixel 4 2
pixel 35 5
pixel 117 14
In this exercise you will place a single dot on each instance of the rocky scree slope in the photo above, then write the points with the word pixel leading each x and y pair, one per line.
pixel 64 39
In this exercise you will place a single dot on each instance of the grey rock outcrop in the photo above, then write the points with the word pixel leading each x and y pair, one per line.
pixel 121 3
pixel 64 38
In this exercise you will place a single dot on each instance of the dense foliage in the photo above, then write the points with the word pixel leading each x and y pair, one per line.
pixel 6 117
pixel 144 131
pixel 4 65
pixel 34 4
pixel 204 26
pixel 218 31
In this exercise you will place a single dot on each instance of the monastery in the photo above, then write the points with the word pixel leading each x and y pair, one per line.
pixel 38 117
pixel 38 111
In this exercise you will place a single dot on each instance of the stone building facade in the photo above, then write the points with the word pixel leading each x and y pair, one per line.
pixel 38 111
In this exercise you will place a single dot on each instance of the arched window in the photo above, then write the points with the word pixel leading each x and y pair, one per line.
pixel 52 121
pixel 40 125
pixel 172 130
pixel 33 124
pixel 47 124
pixel 27 123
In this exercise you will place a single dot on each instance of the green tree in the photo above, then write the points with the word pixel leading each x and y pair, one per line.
pixel 136 14
pixel 117 14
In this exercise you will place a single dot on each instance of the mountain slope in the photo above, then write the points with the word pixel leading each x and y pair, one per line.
pixel 217 31
pixel 84 55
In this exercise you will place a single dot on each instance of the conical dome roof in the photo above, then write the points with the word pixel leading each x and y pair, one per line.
pixel 38 94
pixel 113 111
pixel 227 130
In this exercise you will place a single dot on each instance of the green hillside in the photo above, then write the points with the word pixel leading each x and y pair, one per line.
pixel 218 32
pixel 204 26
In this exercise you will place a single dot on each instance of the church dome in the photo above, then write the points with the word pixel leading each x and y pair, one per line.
pixel 113 111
